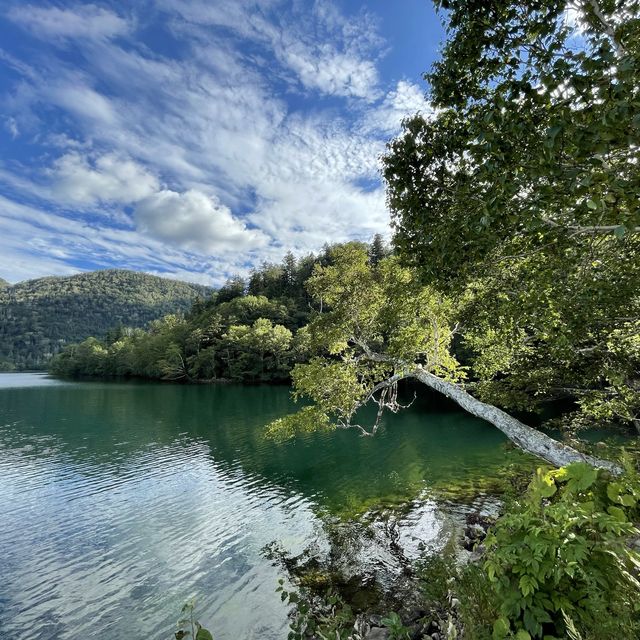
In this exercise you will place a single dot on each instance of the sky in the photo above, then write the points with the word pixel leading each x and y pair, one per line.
pixel 195 139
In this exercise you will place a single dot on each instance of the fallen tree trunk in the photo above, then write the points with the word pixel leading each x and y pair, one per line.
pixel 526 438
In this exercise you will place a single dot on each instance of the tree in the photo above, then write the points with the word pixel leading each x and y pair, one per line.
pixel 383 326
pixel 173 365
pixel 234 287
pixel 521 196
pixel 39 317
pixel 378 249
pixel 289 267
pixel 257 352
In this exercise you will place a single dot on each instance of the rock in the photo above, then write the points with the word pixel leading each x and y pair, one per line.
pixel 415 631
pixel 435 636
pixel 455 603
pixel 374 620
pixel 477 553
pixel 468 544
pixel 414 614
pixel 377 633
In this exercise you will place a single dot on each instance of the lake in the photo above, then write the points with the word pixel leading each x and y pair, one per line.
pixel 119 501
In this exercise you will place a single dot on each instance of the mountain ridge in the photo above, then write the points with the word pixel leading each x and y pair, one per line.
pixel 39 317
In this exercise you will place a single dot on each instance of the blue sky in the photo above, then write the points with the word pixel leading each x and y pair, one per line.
pixel 197 138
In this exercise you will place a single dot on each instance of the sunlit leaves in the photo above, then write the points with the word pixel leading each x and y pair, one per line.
pixel 188 627
pixel 377 321
pixel 307 420
pixel 383 306
pixel 521 194
pixel 334 385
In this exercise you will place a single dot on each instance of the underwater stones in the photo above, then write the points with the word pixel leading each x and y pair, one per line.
pixel 377 633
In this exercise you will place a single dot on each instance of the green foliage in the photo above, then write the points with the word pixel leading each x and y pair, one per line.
pixel 537 133
pixel 38 318
pixel 521 194
pixel 6 366
pixel 378 250
pixel 397 630
pixel 560 554
pixel 177 349
pixel 307 420
pixel 234 288
pixel 187 626
pixel 321 615
pixel 257 352
pixel 238 333
pixel 378 323
pixel 443 578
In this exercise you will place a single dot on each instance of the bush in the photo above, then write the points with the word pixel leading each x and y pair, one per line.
pixel 443 579
pixel 559 561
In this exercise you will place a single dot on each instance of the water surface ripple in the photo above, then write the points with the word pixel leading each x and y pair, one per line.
pixel 120 501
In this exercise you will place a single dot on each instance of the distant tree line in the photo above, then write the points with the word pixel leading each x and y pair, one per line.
pixel 38 318
pixel 250 330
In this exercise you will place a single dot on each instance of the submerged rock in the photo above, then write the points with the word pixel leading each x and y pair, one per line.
pixel 377 633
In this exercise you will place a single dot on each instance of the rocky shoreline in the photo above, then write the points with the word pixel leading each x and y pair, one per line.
pixel 372 569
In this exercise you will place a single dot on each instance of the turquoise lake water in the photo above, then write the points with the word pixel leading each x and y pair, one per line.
pixel 118 501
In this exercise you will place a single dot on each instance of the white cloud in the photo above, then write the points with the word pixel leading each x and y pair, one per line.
pixel 335 213
pixel 206 147
pixel 83 101
pixel 324 49
pixel 195 277
pixel 110 178
pixel 11 126
pixel 405 100
pixel 36 243
pixel 194 221
pixel 85 21
pixel 332 72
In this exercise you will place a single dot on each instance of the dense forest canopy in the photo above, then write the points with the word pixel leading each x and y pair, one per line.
pixel 522 197
pixel 250 330
pixel 39 317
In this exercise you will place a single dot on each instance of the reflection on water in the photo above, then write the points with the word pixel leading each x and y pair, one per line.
pixel 120 501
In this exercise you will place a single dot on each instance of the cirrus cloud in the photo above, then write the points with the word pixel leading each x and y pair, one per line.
pixel 195 136
pixel 82 21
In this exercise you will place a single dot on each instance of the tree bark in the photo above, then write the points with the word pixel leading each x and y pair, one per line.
pixel 526 438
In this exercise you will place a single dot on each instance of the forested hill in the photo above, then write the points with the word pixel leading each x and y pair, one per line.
pixel 38 317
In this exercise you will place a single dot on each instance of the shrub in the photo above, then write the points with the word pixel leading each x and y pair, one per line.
pixel 559 562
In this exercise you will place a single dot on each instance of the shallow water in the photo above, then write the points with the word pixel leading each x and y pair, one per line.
pixel 118 501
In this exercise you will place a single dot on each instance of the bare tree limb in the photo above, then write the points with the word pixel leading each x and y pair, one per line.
pixel 523 436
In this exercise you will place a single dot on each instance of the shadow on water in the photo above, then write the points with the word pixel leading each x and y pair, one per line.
pixel 120 500
pixel 110 424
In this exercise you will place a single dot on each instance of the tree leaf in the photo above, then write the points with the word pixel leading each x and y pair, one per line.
pixel 581 476
pixel 620 231
pixel 613 491
pixel 617 513
pixel 203 634
pixel 500 629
